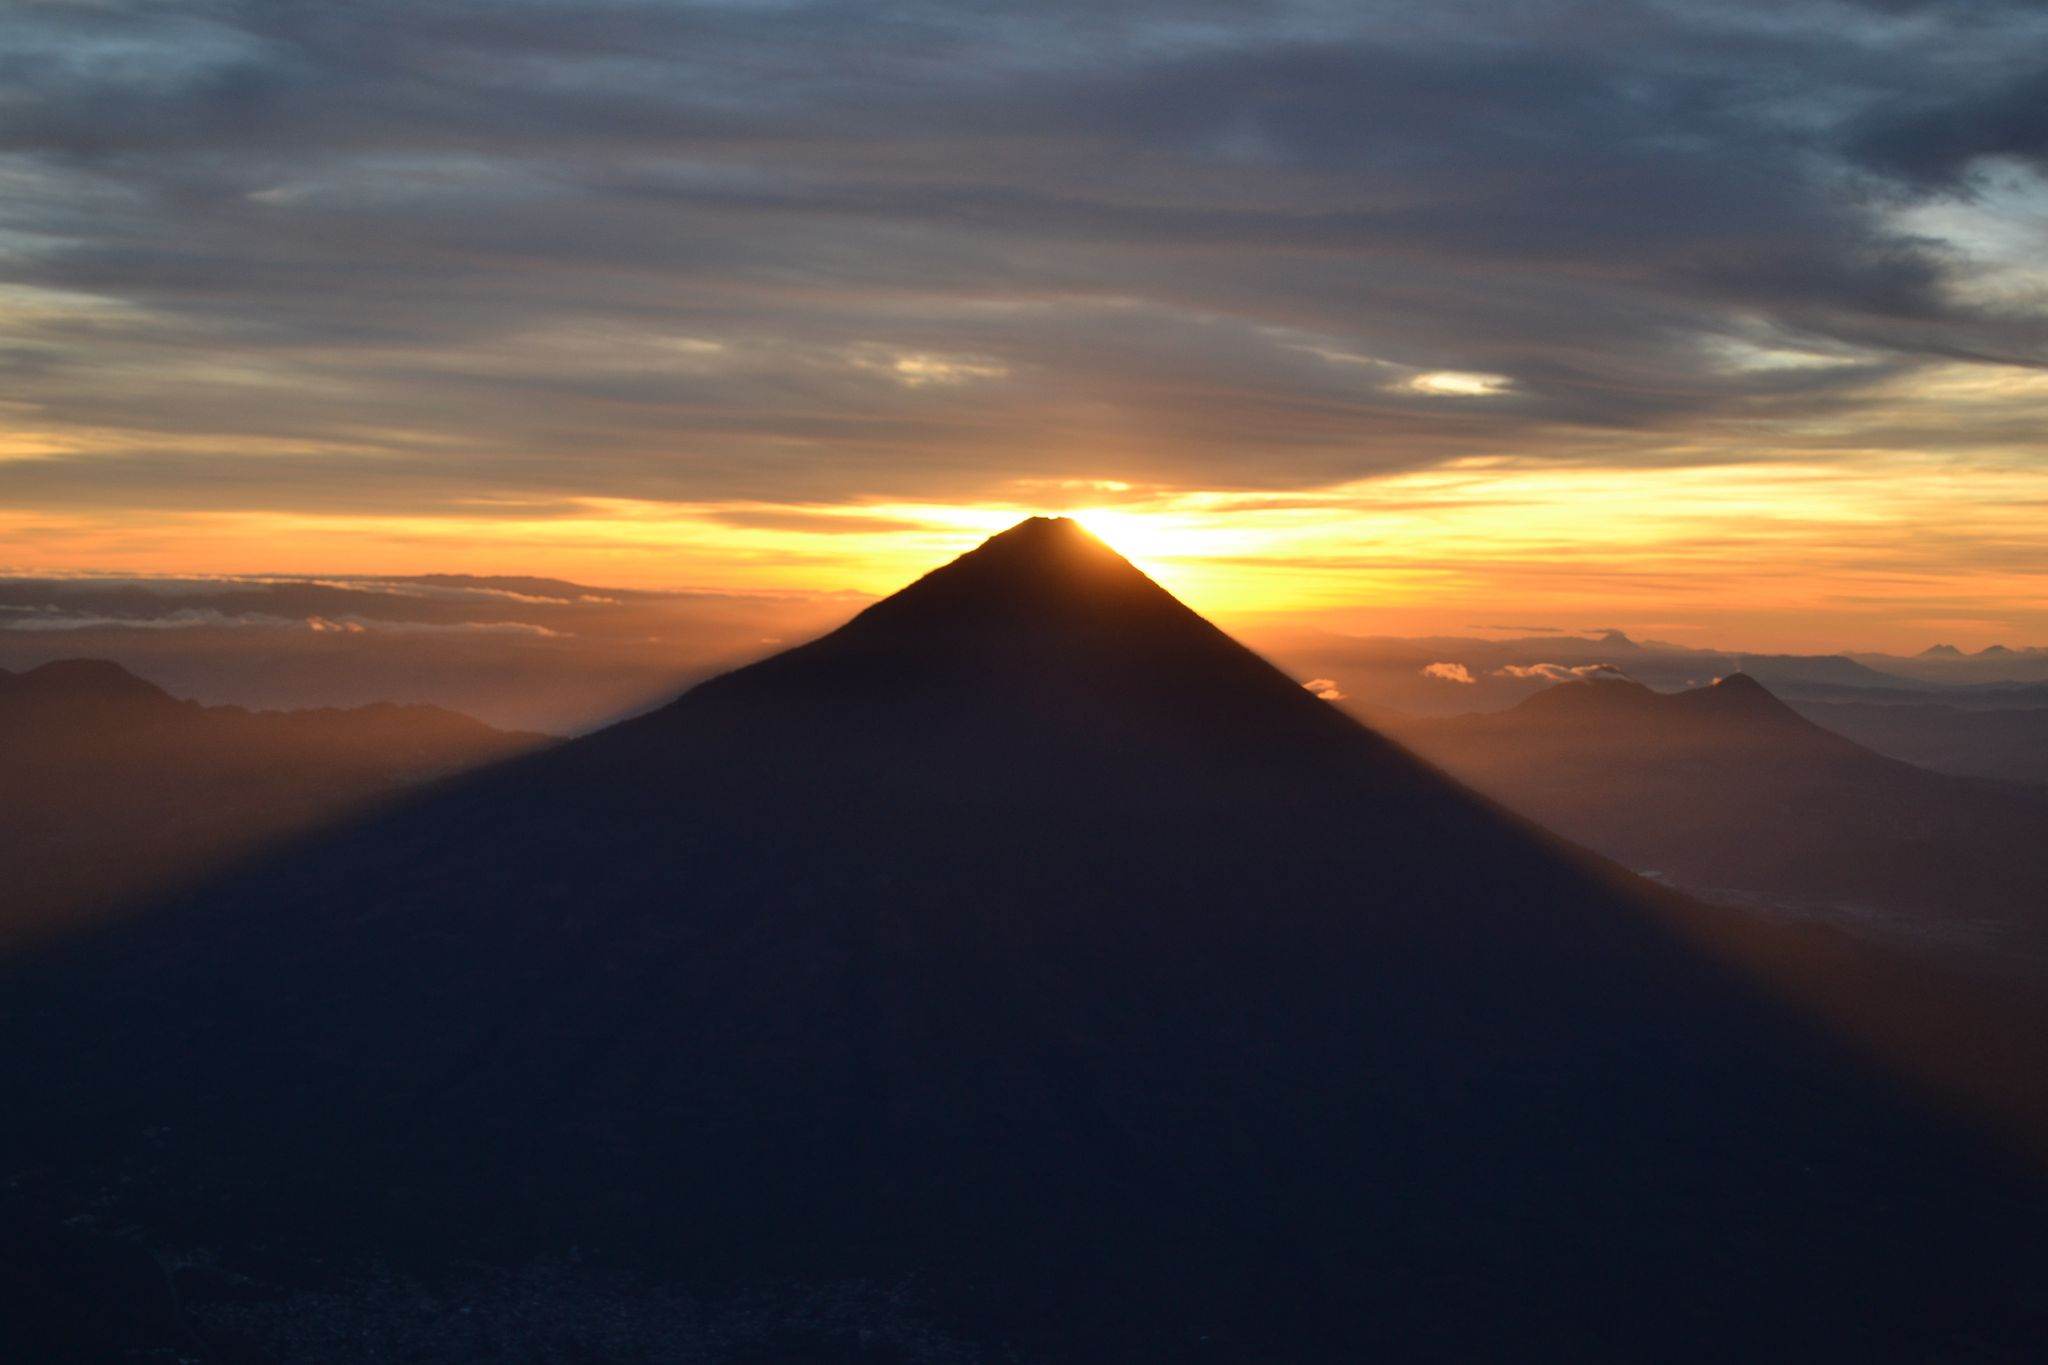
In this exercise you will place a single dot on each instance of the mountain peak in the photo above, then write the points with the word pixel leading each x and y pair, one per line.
pixel 1600 697
pixel 1044 571
pixel 1043 528
pixel 1045 545
pixel 1741 697
pixel 1740 684
pixel 1044 645
pixel 83 680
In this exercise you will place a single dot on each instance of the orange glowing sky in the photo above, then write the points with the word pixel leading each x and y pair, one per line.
pixel 1878 553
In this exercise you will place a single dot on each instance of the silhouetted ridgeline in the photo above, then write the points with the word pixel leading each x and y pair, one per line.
pixel 1033 972
pixel 1725 788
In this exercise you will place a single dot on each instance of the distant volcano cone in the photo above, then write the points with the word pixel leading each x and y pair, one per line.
pixel 1029 940
pixel 1741 697
pixel 83 683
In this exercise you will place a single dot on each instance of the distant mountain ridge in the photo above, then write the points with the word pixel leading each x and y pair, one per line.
pixel 1727 788
pixel 1028 942
pixel 1945 667
pixel 1498 672
pixel 1988 652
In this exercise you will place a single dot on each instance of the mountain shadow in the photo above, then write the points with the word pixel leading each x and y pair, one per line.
pixel 1032 951
pixel 112 790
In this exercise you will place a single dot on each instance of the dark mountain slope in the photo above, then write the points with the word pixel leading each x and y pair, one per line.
pixel 110 788
pixel 1029 939
pixel 1726 787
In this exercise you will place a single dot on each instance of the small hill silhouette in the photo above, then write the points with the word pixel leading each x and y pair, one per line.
pixel 1028 941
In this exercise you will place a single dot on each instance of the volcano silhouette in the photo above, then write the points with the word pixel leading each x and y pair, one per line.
pixel 1028 937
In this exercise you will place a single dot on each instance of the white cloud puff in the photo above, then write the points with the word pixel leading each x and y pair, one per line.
pixel 1326 688
pixel 1563 672
pixel 1449 672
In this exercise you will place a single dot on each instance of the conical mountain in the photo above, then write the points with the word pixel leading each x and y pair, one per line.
pixel 83 684
pixel 1735 710
pixel 1739 699
pixel 1590 698
pixel 1027 941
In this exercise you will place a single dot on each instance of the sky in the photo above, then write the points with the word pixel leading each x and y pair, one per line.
pixel 1717 322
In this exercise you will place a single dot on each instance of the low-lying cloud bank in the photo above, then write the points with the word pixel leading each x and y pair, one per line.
pixel 527 653
pixel 51 617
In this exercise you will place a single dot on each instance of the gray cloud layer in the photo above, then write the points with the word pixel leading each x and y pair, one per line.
pixel 392 255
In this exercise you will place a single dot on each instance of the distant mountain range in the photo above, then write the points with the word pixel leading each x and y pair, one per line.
pixel 551 655
pixel 1988 652
pixel 1024 970
pixel 110 788
pixel 1452 675
pixel 1727 789
pixel 1947 665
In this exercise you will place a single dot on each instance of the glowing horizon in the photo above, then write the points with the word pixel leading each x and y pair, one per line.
pixel 1793 556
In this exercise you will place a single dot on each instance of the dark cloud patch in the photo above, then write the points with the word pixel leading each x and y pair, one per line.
pixel 1934 143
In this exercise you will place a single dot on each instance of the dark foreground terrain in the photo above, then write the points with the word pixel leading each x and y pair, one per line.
pixel 1022 971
